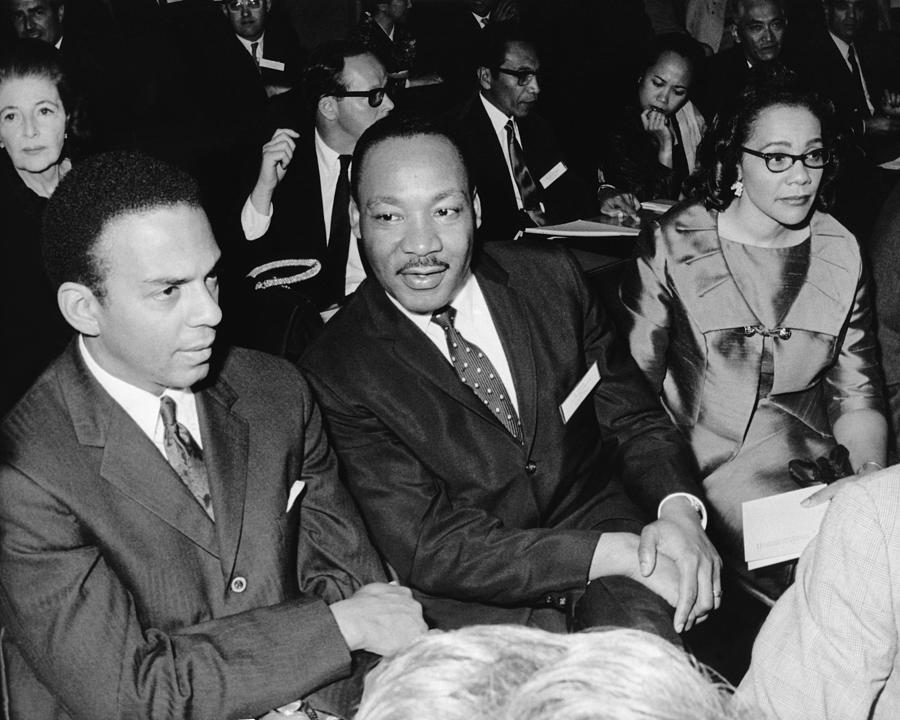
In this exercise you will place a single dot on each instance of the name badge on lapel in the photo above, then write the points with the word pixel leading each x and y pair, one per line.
pixel 294 493
pixel 271 64
pixel 553 174
pixel 584 388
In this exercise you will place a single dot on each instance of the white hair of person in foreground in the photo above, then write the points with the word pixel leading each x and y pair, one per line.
pixel 507 672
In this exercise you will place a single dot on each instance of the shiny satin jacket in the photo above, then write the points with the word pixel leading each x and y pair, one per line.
pixel 692 333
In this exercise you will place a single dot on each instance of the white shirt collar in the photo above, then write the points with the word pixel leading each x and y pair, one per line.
pixel 143 406
pixel 462 302
pixel 842 44
pixel 481 19
pixel 497 117
pixel 249 43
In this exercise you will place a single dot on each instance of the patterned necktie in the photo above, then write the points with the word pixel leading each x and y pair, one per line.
pixel 339 235
pixel 478 373
pixel 254 48
pixel 858 82
pixel 528 190
pixel 185 456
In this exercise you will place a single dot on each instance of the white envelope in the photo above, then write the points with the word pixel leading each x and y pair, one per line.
pixel 778 528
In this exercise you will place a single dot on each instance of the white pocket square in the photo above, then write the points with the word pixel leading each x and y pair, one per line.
pixel 296 489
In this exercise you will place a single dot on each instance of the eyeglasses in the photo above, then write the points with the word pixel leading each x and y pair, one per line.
pixel 375 95
pixel 236 5
pixel 778 162
pixel 523 76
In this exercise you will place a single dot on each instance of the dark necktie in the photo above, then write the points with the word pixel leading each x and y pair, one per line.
pixel 478 373
pixel 184 455
pixel 254 46
pixel 339 235
pixel 858 82
pixel 679 159
pixel 528 190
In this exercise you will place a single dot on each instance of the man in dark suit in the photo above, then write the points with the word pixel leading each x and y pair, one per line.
pixel 859 72
pixel 298 206
pixel 759 30
pixel 171 522
pixel 517 166
pixel 497 498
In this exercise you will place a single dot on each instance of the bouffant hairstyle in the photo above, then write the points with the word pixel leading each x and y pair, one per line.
pixel 720 150
pixel 35 58
pixel 95 192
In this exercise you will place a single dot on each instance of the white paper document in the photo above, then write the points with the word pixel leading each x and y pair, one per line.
pixel 584 228
pixel 778 528
pixel 657 206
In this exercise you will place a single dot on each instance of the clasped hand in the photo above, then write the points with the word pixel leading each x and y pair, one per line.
pixel 678 562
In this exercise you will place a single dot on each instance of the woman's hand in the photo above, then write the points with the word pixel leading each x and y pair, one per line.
pixel 657 124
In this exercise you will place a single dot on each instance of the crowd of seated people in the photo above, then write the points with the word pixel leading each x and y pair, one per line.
pixel 464 427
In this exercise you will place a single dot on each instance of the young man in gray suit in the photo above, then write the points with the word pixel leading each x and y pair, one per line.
pixel 174 541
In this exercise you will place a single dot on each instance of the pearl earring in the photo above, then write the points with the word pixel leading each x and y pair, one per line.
pixel 738 187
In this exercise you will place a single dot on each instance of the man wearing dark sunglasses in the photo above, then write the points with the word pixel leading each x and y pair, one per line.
pixel 518 167
pixel 298 209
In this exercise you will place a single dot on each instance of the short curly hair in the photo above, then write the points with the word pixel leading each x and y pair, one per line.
pixel 93 194
pixel 720 150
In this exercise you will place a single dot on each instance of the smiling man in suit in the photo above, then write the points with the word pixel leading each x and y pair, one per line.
pixel 174 540
pixel 444 383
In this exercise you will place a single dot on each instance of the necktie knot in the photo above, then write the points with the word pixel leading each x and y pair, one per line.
pixel 444 317
pixel 167 412
pixel 344 160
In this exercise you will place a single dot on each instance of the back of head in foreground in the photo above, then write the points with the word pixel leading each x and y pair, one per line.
pixel 508 672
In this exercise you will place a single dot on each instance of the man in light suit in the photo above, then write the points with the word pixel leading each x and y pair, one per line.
pixel 830 647
pixel 484 499
pixel 172 528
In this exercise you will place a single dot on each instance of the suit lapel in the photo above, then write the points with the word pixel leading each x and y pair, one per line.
pixel 414 351
pixel 225 452
pixel 130 460
pixel 511 321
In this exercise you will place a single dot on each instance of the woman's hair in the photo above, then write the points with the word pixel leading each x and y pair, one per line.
pixel 679 44
pixel 35 58
pixel 720 150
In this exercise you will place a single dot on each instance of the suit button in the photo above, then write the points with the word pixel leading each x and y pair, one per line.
pixel 239 584
pixel 531 468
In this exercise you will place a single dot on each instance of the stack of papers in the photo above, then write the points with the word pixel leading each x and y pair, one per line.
pixel 777 528
pixel 657 206
pixel 585 228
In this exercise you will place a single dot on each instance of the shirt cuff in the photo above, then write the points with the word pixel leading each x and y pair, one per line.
pixel 695 502
pixel 253 222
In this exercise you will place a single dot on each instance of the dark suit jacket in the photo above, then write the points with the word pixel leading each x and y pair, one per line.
pixel 723 79
pixel 297 229
pixel 483 528
pixel 568 197
pixel 117 593
pixel 820 62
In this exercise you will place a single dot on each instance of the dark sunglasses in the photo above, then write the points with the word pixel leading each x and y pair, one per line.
pixel 375 95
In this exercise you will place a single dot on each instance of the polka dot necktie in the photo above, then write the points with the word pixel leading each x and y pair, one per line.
pixel 184 455
pixel 477 372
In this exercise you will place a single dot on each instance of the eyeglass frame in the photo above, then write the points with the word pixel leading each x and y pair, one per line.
pixel 522 76
pixel 370 94
pixel 237 5
pixel 768 157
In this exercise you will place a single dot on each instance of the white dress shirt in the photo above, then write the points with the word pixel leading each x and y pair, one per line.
pixel 142 406
pixel 255 224
pixel 482 20
pixel 844 49
pixel 474 322
pixel 498 121
pixel 248 46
